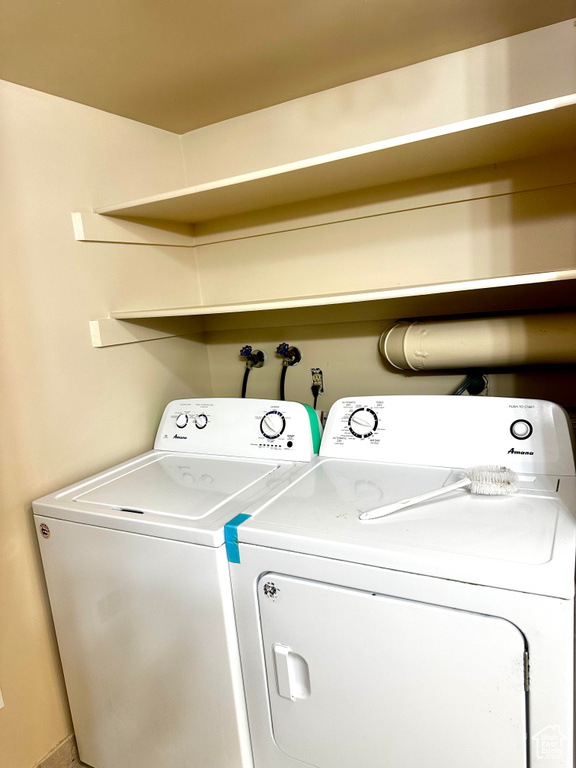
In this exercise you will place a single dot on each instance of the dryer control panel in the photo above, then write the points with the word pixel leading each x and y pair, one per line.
pixel 529 436
pixel 246 428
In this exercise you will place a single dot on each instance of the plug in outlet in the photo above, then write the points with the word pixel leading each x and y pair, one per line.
pixel 317 379
pixel 317 384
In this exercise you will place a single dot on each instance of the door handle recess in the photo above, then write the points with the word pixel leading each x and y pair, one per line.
pixel 292 674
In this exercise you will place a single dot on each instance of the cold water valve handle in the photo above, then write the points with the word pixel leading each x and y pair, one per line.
pixel 290 355
pixel 255 358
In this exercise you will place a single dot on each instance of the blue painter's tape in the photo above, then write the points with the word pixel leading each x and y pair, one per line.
pixel 231 537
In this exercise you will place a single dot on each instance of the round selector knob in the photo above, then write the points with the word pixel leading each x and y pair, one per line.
pixel 521 429
pixel 363 422
pixel 273 424
pixel 201 420
pixel 181 420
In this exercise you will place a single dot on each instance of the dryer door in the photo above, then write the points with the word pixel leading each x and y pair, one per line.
pixel 357 679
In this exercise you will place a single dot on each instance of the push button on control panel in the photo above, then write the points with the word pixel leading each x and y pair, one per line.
pixel 521 429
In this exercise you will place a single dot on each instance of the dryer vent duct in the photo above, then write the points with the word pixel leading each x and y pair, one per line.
pixel 540 339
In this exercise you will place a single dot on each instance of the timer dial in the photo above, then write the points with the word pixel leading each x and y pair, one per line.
pixel 363 422
pixel 201 420
pixel 181 420
pixel 273 424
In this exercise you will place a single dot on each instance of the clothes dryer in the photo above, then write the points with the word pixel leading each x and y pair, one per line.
pixel 441 635
pixel 138 581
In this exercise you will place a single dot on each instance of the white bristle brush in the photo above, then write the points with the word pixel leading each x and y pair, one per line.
pixel 487 481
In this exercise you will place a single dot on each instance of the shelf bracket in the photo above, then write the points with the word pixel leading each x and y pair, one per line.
pixel 108 332
pixel 96 228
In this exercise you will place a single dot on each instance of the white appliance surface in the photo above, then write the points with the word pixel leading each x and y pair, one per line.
pixel 441 635
pixel 330 643
pixel 178 486
pixel 524 542
pixel 180 490
pixel 148 647
pixel 139 586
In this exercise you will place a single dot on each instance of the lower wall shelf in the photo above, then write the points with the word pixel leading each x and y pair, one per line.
pixel 537 290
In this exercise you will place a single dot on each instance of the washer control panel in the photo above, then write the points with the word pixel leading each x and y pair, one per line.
pixel 446 431
pixel 246 428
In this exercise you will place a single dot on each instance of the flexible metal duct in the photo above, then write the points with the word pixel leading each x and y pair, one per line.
pixel 540 339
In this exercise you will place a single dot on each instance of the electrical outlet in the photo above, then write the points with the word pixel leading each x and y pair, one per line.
pixel 317 379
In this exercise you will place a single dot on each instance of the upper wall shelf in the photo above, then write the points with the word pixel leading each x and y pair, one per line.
pixel 538 128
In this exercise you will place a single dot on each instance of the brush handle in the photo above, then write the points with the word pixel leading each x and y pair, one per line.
pixel 387 509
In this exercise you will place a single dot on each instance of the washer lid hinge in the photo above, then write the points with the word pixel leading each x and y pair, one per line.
pixel 526 671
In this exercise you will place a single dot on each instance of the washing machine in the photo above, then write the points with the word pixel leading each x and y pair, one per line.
pixel 441 636
pixel 137 574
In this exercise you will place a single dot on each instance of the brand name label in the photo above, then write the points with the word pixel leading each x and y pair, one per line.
pixel 180 437
pixel 521 453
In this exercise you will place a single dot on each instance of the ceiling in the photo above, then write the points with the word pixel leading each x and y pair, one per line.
pixel 182 64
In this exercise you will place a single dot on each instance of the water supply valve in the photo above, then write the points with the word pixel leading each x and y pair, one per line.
pixel 290 355
pixel 255 358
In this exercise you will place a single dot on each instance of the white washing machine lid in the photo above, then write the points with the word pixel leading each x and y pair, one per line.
pixel 177 486
pixel 214 459
pixel 171 495
pixel 524 542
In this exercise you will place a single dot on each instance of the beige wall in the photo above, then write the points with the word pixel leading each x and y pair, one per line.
pixel 67 409
pixel 511 219
pixel 347 353
pixel 497 236
pixel 518 218
pixel 515 218
pixel 508 73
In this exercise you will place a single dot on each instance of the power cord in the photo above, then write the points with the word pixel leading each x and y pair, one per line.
pixel 317 384
pixel 474 384
pixel 315 392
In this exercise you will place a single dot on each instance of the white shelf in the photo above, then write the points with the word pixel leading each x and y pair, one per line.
pixel 537 290
pixel 525 131
pixel 537 278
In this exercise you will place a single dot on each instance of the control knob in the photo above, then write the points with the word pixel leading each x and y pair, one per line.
pixel 363 422
pixel 181 420
pixel 273 424
pixel 201 420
